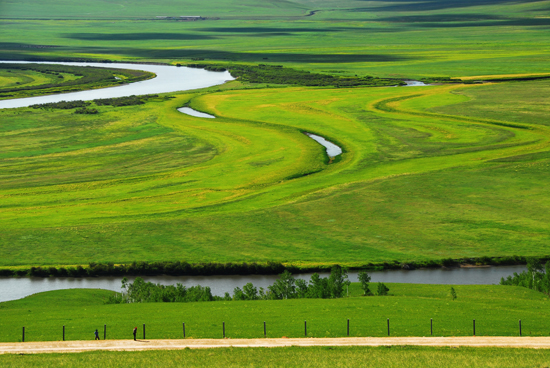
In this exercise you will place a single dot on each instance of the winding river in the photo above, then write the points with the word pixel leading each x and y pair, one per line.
pixel 168 79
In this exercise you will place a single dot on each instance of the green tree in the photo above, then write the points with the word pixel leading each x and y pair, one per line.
pixel 284 287
pixel 337 279
pixel 364 279
pixel 453 293
pixel 318 287
pixel 250 292
pixel 382 289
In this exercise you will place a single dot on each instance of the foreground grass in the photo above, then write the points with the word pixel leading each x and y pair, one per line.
pixel 394 356
pixel 409 307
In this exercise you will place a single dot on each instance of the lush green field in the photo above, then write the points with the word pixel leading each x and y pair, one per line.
pixel 382 38
pixel 496 309
pixel 417 180
pixel 396 356
pixel 427 173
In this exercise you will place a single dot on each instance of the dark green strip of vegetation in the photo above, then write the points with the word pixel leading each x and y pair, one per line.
pixel 277 74
pixel 81 105
pixel 182 268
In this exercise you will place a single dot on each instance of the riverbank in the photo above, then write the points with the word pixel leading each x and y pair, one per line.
pixel 182 268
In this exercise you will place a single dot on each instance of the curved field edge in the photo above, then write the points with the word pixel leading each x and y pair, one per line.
pixel 408 178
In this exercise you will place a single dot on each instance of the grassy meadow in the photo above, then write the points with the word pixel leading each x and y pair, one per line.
pixel 394 356
pixel 419 178
pixel 496 309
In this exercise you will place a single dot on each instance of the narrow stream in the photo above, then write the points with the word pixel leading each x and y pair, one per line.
pixel 414 83
pixel 332 149
pixel 195 113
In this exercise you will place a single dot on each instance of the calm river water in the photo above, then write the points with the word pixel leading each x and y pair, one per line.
pixel 168 79
pixel 16 288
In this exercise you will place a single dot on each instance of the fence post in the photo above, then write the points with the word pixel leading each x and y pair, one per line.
pixel 431 326
pixel 265 330
pixel 305 328
pixel 224 330
pixel 104 332
pixel 144 331
pixel 388 327
pixel 474 327
pixel 348 326
pixel 184 330
pixel 63 332
pixel 520 327
pixel 23 340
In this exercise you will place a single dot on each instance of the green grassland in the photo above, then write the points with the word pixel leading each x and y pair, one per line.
pixel 395 356
pixel 496 309
pixel 426 173
pixel 381 38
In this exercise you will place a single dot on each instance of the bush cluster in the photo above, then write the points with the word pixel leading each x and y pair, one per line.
pixel 124 101
pixel 85 110
pixel 537 277
pixel 286 287
pixel 63 105
pixel 140 291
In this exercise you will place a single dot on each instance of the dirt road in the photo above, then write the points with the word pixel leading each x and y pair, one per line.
pixel 130 345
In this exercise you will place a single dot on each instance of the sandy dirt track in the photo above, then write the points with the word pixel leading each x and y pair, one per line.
pixel 130 345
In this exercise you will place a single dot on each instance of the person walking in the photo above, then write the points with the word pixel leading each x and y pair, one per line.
pixel 135 332
pixel 96 333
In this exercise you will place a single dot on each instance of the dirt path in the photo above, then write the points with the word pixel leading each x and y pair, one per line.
pixel 130 345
